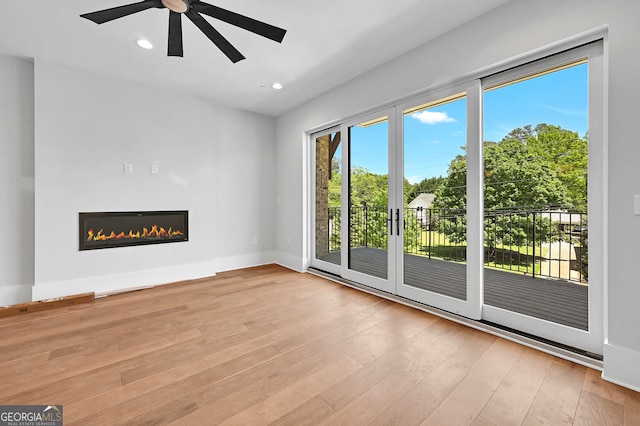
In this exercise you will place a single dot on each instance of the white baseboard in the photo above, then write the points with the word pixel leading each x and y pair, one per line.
pixel 115 283
pixel 231 263
pixel 14 294
pixel 621 366
pixel 290 261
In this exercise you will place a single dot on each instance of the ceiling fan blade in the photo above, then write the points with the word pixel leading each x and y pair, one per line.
pixel 217 38
pixel 249 24
pixel 175 34
pixel 102 16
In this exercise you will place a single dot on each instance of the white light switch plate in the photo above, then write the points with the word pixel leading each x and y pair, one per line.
pixel 636 208
pixel 128 168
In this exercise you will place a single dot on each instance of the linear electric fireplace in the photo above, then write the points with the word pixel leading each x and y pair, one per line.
pixel 120 229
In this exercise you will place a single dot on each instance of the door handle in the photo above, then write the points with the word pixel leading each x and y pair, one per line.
pixel 397 222
pixel 390 222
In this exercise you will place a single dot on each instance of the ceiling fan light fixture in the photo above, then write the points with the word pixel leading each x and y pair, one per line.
pixel 143 43
pixel 178 6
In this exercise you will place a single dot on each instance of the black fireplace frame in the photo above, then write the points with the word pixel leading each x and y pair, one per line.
pixel 85 218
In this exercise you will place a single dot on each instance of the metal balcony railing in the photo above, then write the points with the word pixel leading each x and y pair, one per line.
pixel 542 242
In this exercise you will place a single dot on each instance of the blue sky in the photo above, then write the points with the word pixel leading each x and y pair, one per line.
pixel 435 136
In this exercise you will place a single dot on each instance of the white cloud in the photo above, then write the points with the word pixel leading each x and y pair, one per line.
pixel 414 179
pixel 432 117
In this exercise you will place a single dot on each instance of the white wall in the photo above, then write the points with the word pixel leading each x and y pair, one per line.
pixel 214 161
pixel 16 180
pixel 511 30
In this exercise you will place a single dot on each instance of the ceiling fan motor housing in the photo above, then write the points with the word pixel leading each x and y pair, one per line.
pixel 178 6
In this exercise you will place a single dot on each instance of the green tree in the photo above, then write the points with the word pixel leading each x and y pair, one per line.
pixel 517 177
pixel 566 152
pixel 368 188
pixel 369 201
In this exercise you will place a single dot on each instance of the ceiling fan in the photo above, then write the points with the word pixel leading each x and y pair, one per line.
pixel 192 9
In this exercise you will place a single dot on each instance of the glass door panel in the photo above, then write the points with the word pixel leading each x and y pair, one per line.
pixel 538 135
pixel 433 260
pixel 435 175
pixel 328 200
pixel 535 196
pixel 367 257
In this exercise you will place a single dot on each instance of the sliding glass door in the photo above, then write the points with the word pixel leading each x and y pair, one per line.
pixel 368 257
pixel 485 199
pixel 543 198
pixel 436 265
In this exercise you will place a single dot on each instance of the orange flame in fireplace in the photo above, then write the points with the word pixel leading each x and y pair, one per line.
pixel 155 232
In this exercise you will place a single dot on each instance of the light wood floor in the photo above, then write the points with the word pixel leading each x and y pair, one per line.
pixel 270 346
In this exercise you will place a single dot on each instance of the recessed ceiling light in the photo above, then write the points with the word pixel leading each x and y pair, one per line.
pixel 145 44
pixel 276 86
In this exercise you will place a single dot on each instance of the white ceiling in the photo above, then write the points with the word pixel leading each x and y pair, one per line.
pixel 328 42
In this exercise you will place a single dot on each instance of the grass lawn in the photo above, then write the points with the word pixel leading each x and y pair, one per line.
pixel 511 258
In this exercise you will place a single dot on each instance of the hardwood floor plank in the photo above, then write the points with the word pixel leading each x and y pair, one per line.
pixel 558 397
pixel 437 344
pixel 348 324
pixel 401 358
pixel 279 404
pixel 226 407
pixel 138 402
pixel 90 364
pixel 481 421
pixel 629 399
pixel 371 403
pixel 476 344
pixel 595 410
pixel 65 391
pixel 416 404
pixel 466 401
pixel 164 414
pixel 352 386
pixel 531 420
pixel 136 368
pixel 511 401
pixel 268 345
pixel 23 365
pixel 284 371
pixel 87 347
pixel 632 413
pixel 86 408
pixel 312 412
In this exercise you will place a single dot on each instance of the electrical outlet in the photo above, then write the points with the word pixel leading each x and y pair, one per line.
pixel 155 169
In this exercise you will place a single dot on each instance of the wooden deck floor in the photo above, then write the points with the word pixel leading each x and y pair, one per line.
pixel 562 302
